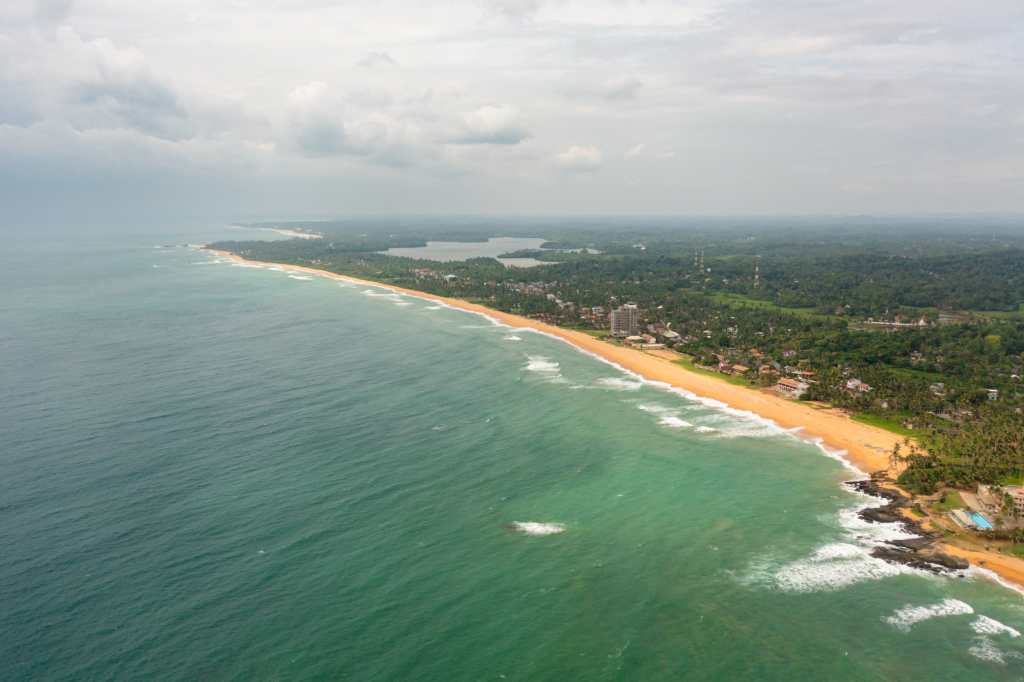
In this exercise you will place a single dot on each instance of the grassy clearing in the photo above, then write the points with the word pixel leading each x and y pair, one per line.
pixel 883 423
pixel 1015 550
pixel 998 314
pixel 953 501
pixel 739 299
pixel 588 331
pixel 917 512
pixel 932 376
pixel 736 381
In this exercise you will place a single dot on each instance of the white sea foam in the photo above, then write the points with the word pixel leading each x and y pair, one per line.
pixel 668 416
pixel 839 564
pixel 989 626
pixel 532 528
pixel 674 422
pixel 620 384
pixel 986 650
pixel 832 567
pixel 974 572
pixel 541 364
pixel 908 616
pixel 297 277
pixel 703 429
pixel 433 307
pixel 511 338
pixel 867 533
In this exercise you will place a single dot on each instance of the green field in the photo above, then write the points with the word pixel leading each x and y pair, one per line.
pixel 889 425
pixel 737 381
pixel 738 299
pixel 910 373
pixel 999 315
pixel 953 501
pixel 589 331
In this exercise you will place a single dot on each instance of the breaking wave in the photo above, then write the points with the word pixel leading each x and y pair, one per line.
pixel 986 650
pixel 989 626
pixel 675 422
pixel 620 384
pixel 668 416
pixel 532 528
pixel 831 567
pixel 541 364
pixel 908 616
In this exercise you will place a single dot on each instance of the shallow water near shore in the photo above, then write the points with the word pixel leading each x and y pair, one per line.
pixel 217 471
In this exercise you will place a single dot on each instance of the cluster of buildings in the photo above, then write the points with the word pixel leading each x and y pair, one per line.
pixel 531 288
pixel 858 386
pixel 902 321
pixel 644 342
pixel 988 503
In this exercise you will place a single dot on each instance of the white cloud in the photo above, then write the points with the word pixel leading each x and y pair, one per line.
pixel 622 86
pixel 580 158
pixel 320 129
pixel 492 125
pixel 373 59
pixel 516 11
pixel 317 120
pixel 52 10
pixel 787 100
pixel 635 152
pixel 614 87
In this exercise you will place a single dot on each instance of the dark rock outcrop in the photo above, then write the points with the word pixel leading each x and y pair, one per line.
pixel 919 552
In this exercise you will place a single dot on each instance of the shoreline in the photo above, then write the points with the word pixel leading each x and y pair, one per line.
pixel 290 233
pixel 858 445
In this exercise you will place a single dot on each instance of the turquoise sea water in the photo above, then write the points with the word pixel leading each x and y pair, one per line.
pixel 218 472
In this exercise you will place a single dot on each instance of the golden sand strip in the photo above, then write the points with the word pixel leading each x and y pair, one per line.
pixel 864 445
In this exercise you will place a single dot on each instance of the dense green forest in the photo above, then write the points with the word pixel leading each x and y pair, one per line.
pixel 925 312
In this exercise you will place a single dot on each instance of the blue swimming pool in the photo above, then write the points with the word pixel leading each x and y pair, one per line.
pixel 980 520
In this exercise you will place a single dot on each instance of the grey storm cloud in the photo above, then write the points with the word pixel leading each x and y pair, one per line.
pixel 702 107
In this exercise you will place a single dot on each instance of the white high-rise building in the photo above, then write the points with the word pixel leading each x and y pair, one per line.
pixel 625 320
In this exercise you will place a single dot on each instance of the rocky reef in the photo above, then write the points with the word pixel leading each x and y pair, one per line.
pixel 920 552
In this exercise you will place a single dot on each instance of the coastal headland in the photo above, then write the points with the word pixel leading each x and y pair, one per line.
pixel 863 446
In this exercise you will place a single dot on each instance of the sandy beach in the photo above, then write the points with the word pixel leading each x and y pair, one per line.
pixel 862 445
pixel 291 233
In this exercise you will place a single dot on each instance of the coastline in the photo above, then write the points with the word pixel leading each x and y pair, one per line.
pixel 290 233
pixel 859 445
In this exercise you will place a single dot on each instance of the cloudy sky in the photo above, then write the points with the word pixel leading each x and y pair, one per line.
pixel 323 107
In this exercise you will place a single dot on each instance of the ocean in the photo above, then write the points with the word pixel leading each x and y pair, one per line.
pixel 213 471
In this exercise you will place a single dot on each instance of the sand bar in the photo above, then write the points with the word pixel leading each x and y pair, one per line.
pixel 859 444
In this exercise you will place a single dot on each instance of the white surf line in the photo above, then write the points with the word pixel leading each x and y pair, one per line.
pixel 988 573
pixel 710 403
pixel 280 231
pixel 832 454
